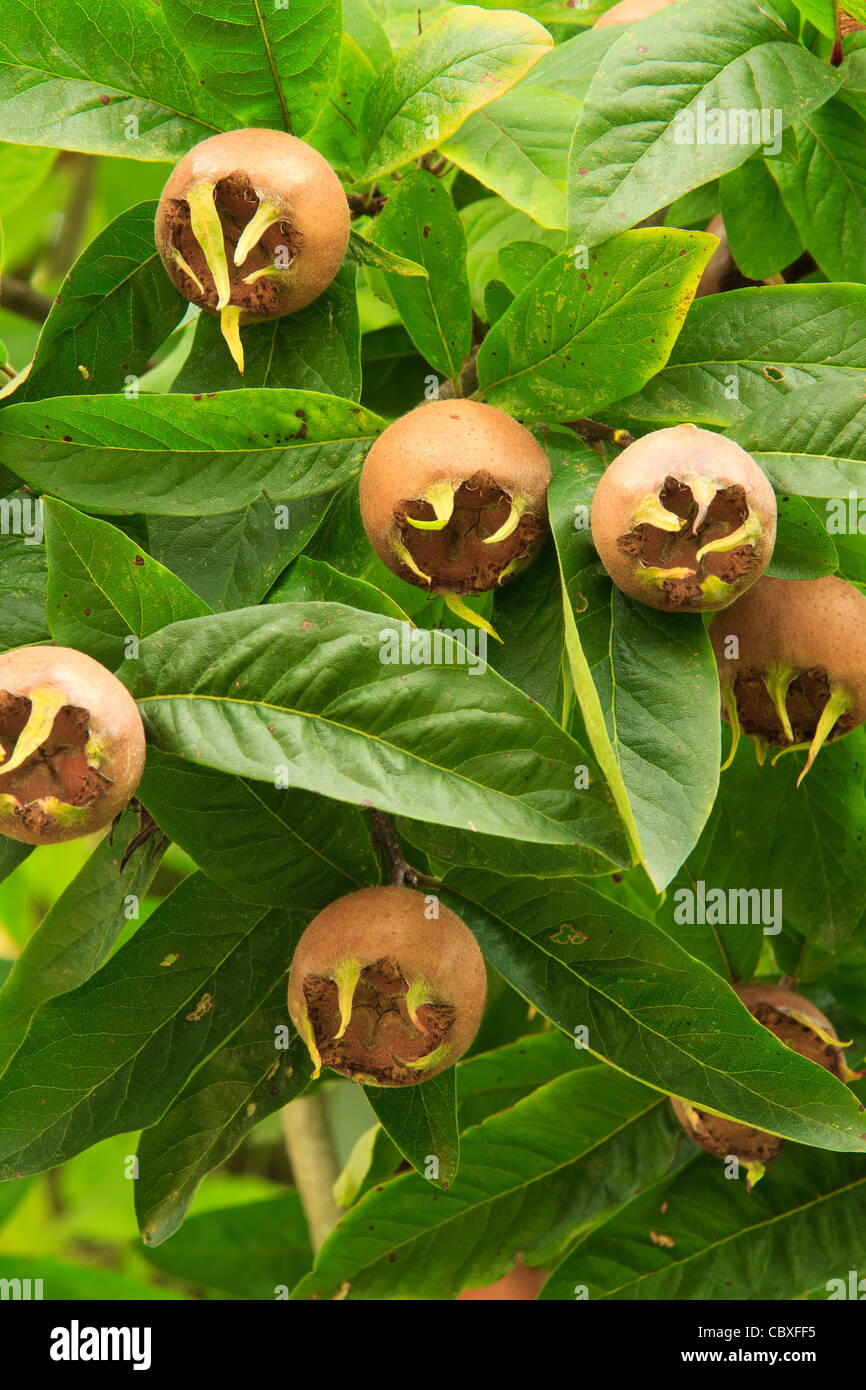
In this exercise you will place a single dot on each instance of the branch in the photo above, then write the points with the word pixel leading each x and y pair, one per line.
pixel 592 430
pixel 20 298
pixel 401 873
pixel 314 1167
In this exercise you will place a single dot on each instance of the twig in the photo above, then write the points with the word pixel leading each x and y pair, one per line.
pixel 314 1166
pixel 592 430
pixel 401 873
pixel 20 298
pixel 68 242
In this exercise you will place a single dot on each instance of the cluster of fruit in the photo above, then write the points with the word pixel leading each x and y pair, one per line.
pixel 388 986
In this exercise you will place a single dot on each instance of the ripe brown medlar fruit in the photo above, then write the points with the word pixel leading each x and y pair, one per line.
pixel 630 11
pixel 454 497
pixel 384 994
pixel 251 225
pixel 791 655
pixel 801 1026
pixel 519 1284
pixel 72 744
pixel 684 520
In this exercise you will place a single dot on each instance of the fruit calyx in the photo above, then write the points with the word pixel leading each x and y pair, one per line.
pixel 251 225
pixel 796 677
pixel 684 519
pixel 383 995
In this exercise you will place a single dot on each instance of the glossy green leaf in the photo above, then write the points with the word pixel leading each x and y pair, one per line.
pixel 185 455
pixel 79 82
pixel 746 349
pixel 102 589
pixel 646 133
pixel 271 65
pixel 252 1251
pixel 421 1121
pixel 646 682
pixel 812 442
pixel 577 339
pixel 254 840
pixel 530 1179
pixel 245 1081
pixel 419 223
pixel 831 177
pixel 113 310
pixel 751 203
pixel 464 59
pixel 649 1008
pixel 299 692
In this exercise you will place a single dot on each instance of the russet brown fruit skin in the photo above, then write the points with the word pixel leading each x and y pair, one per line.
pixel 809 625
pixel 682 453
pixel 457 443
pixel 630 11
pixel 96 708
pixel 247 166
pixel 772 1006
pixel 386 930
pixel 519 1284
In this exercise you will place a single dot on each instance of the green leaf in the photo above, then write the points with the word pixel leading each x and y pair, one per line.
pixel 366 252
pixel 23 621
pixel 801 1227
pixel 12 853
pixel 254 840
pixel 335 134
pixel 251 1251
pixel 315 581
pixel 812 442
pixel 461 61
pixel 419 221
pixel 232 560
pixel 79 932
pixel 271 65
pixel 421 1121
pixel 299 692
pixel 102 589
pixel 518 145
pixel 751 203
pixel 646 133
pixel 114 309
pixel 62 1280
pixel 491 224
pixel 111 1055
pixel 646 682
pixel 803 842
pixel 185 455
pixel 803 549
pixel 316 349
pixel 576 339
pixel 650 1009
pixel 746 350
pixel 530 1179
pixel 74 79
pixel 831 176
pixel 237 1088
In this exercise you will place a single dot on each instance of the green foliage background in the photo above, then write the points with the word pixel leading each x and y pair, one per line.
pixel 502 138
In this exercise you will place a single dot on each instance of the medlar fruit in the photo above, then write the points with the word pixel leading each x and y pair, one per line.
pixel 791 655
pixel 454 497
pixel 801 1026
pixel 684 520
pixel 383 994
pixel 251 225
pixel 630 11
pixel 72 745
